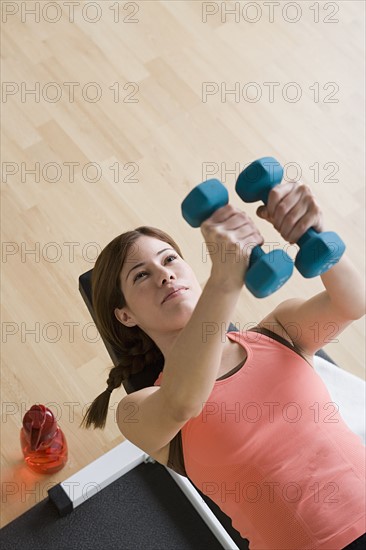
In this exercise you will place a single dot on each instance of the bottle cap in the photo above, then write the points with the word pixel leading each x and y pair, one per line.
pixel 39 426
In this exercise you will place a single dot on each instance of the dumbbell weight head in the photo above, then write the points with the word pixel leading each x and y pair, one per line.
pixel 318 252
pixel 255 182
pixel 267 272
pixel 203 201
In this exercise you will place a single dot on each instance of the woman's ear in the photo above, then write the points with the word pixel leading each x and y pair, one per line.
pixel 123 317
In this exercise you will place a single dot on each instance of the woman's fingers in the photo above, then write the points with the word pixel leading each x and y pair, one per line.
pixel 292 209
pixel 232 235
pixel 280 200
pixel 283 193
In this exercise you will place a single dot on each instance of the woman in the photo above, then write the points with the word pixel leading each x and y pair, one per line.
pixel 247 408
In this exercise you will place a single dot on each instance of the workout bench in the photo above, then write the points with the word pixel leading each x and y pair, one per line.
pixel 215 529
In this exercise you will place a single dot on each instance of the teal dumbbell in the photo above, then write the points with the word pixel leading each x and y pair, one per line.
pixel 266 272
pixel 318 251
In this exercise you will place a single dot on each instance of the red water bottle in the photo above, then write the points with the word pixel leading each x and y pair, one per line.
pixel 43 442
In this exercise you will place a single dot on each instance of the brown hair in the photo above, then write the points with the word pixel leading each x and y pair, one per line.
pixel 135 348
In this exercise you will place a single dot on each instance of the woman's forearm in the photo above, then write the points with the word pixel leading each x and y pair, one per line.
pixel 192 364
pixel 346 288
pixel 292 209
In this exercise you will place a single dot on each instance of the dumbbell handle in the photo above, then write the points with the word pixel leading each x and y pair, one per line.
pixel 255 255
pixel 263 186
pixel 309 234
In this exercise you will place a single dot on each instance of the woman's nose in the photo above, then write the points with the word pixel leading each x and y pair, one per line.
pixel 165 274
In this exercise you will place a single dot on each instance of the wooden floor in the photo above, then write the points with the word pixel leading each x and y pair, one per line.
pixel 126 116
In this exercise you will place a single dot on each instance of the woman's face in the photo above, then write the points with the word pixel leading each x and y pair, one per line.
pixel 146 286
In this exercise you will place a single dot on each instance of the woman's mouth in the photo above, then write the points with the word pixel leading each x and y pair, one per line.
pixel 175 294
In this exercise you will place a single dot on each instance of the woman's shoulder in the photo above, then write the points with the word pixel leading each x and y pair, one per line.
pixel 270 326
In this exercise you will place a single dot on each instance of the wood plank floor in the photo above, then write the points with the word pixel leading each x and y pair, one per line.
pixel 110 116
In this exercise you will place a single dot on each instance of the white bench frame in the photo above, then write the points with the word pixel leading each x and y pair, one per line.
pixel 118 462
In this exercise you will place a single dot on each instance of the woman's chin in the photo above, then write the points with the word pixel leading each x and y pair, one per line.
pixel 180 316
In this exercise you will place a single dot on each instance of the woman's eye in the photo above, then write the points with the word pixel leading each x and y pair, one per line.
pixel 137 276
pixel 143 272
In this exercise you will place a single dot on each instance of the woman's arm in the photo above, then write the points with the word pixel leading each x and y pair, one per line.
pixel 311 324
pixel 346 289
pixel 192 364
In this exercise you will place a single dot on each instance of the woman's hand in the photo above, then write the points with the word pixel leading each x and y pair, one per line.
pixel 292 209
pixel 230 236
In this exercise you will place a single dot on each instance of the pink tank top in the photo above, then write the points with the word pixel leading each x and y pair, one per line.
pixel 272 451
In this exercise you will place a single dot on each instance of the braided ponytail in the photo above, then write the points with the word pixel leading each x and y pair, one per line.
pixel 97 412
pixel 136 350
